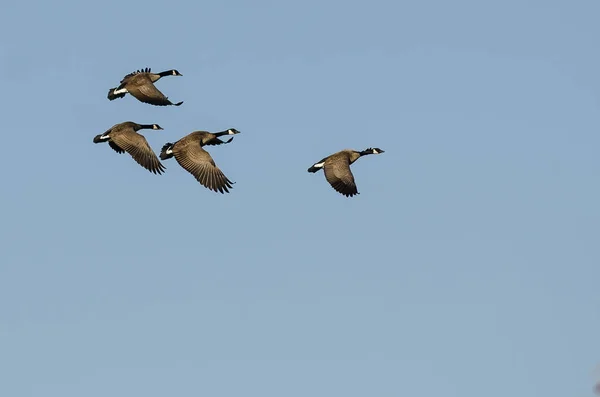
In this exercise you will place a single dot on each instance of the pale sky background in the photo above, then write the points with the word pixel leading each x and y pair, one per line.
pixel 468 266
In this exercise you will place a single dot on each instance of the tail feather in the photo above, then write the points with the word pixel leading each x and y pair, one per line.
pixel 166 151
pixel 100 138
pixel 112 96
pixel 317 166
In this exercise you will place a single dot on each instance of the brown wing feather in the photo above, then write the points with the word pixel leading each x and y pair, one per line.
pixel 137 146
pixel 200 164
pixel 339 176
pixel 148 93
pixel 136 73
pixel 115 147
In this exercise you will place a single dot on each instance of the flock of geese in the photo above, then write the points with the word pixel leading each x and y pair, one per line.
pixel 189 151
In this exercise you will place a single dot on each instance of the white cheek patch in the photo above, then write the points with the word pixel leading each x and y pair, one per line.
pixel 169 151
pixel 319 165
pixel 121 91
pixel 105 137
pixel 375 151
pixel 231 132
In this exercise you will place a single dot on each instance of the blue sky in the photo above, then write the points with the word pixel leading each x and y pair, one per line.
pixel 467 266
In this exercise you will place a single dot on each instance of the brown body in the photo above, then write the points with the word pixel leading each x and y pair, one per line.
pixel 337 169
pixel 124 137
pixel 190 154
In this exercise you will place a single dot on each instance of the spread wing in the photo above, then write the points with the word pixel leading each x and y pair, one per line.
pixel 137 146
pixel 340 177
pixel 148 93
pixel 200 164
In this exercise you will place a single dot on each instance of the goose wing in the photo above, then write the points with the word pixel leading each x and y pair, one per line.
pixel 148 93
pixel 137 146
pixel 136 75
pixel 115 147
pixel 339 176
pixel 200 164
pixel 218 141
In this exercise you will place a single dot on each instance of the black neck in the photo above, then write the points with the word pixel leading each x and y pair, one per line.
pixel 166 73
pixel 226 132
pixel 145 126
pixel 365 152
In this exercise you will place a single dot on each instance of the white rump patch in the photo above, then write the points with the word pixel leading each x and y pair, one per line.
pixel 121 91
pixel 319 165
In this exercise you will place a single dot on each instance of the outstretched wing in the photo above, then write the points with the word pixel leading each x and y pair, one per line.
pixel 200 164
pixel 137 146
pixel 340 177
pixel 148 93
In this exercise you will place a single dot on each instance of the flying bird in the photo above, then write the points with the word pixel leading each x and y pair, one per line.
pixel 190 154
pixel 140 84
pixel 124 137
pixel 337 169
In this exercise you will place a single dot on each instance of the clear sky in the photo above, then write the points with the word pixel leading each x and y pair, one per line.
pixel 468 265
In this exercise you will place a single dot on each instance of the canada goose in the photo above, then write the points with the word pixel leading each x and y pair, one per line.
pixel 337 169
pixel 124 138
pixel 140 84
pixel 190 154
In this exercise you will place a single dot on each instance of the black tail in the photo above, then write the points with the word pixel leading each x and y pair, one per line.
pixel 163 153
pixel 112 96
pixel 317 166
pixel 99 139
